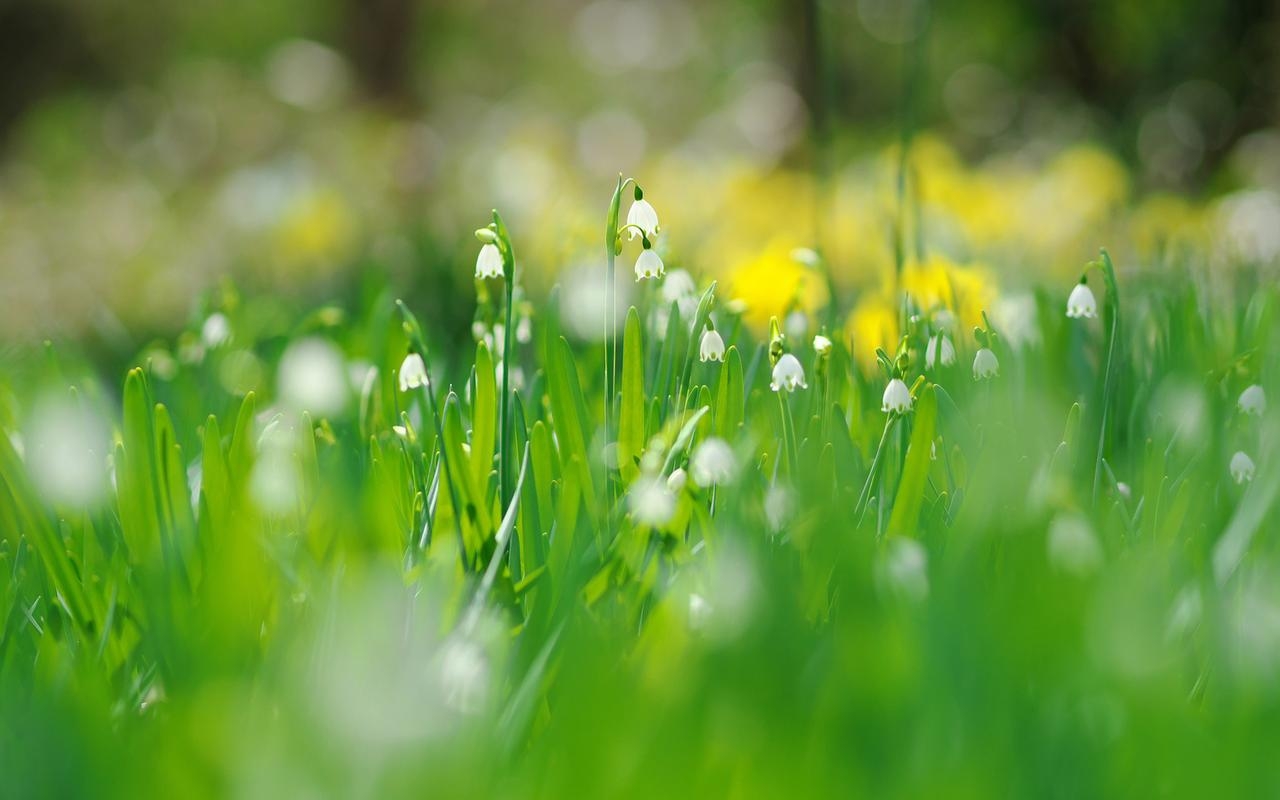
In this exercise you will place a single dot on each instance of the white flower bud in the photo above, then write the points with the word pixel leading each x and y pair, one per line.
pixel 931 351
pixel 489 262
pixel 985 364
pixel 1082 304
pixel 712 346
pixel 897 398
pixel 648 265
pixel 1242 467
pixel 788 374
pixel 413 372
pixel 1253 401
pixel 644 217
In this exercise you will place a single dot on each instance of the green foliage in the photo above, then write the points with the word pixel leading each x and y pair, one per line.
pixel 1043 584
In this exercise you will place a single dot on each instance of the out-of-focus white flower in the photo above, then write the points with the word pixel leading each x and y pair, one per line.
pixel 778 507
pixel 677 479
pixel 1123 490
pixel 713 462
pixel 822 346
pixel 464 676
pixel 643 216
pixel 66 450
pixel 413 372
pixel 788 374
pixel 216 330
pixel 985 364
pixel 806 256
pixel 401 431
pixel 651 502
pixel 1242 467
pixel 313 377
pixel 1082 304
pixel 1072 546
pixel 489 262
pixel 524 329
pixel 699 611
pixel 944 319
pixel 678 287
pixel 796 326
pixel 1253 401
pixel 905 568
pixel 897 398
pixel 712 346
pixel 648 265
pixel 931 351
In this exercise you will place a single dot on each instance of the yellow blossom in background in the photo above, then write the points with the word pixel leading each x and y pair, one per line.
pixel 319 228
pixel 873 323
pixel 772 283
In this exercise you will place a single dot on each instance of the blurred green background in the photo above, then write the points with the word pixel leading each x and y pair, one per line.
pixel 147 150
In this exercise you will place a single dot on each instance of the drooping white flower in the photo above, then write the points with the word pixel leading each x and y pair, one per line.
pixel 985 364
pixel 821 346
pixel 712 346
pixel 1082 304
pixel 904 569
pixel 1242 467
pixel 1072 546
pixel 897 398
pixel 931 351
pixel 643 216
pixel 779 506
pixel 648 265
pixel 788 374
pixel 413 372
pixel 678 287
pixel 806 256
pixel 713 462
pixel 216 330
pixel 489 262
pixel 651 502
pixel 796 325
pixel 944 319
pixel 464 676
pixel 699 611
pixel 313 377
pixel 676 480
pixel 1253 401
pixel 524 329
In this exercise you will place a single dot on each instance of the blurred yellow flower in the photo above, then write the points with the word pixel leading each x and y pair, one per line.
pixel 772 282
pixel 318 228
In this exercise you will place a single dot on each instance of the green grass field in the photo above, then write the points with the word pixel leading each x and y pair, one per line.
pixel 658 562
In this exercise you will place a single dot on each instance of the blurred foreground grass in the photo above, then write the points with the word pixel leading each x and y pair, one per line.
pixel 284 556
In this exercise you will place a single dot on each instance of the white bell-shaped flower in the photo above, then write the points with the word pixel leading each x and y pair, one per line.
pixel 822 346
pixel 489 262
pixel 897 398
pixel 712 462
pixel 677 480
pixel 712 346
pixel 985 364
pixel 216 330
pixel 1242 467
pixel 648 265
pixel 939 349
pixel 1082 304
pixel 1253 401
pixel 642 215
pixel 788 374
pixel 651 502
pixel 678 286
pixel 413 372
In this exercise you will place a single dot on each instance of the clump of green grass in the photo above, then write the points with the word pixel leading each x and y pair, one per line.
pixel 677 560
